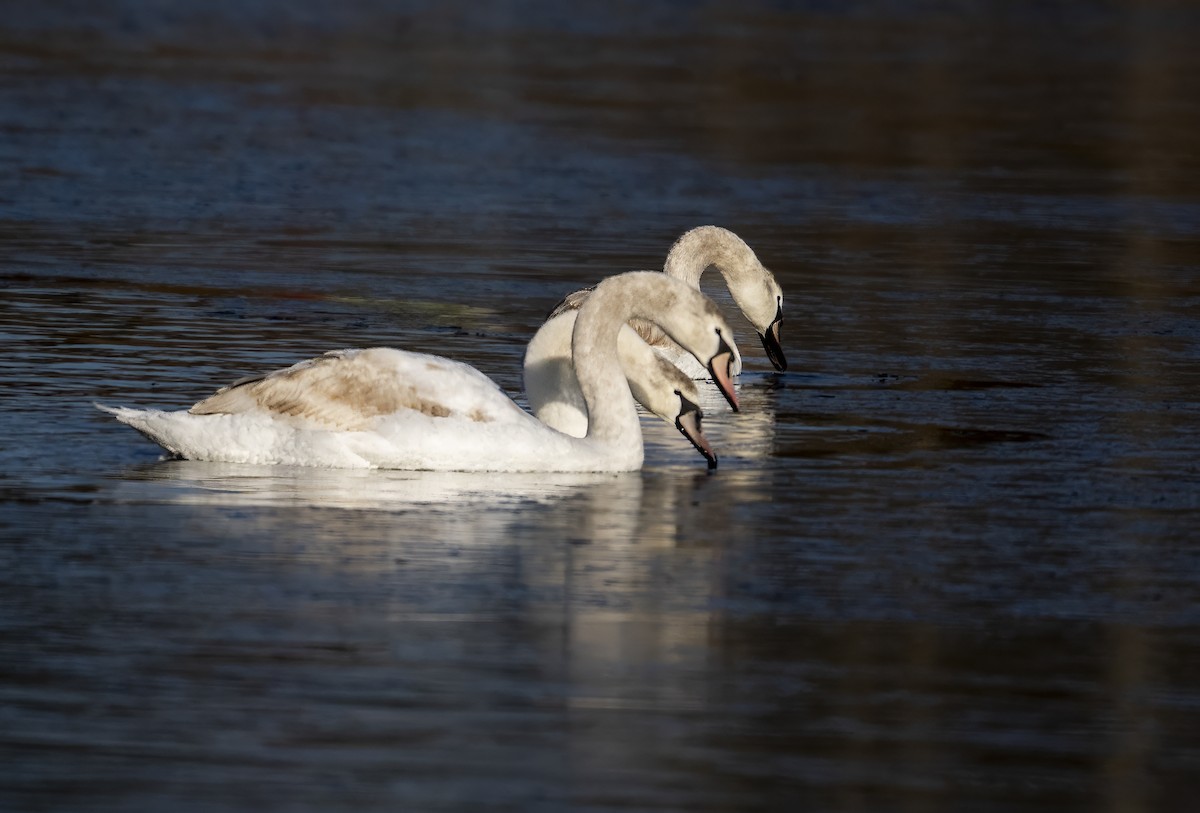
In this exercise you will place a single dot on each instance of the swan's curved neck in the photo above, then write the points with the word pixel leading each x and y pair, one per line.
pixel 714 246
pixel 612 416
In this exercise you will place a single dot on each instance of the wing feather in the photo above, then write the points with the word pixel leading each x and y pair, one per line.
pixel 350 389
pixel 649 332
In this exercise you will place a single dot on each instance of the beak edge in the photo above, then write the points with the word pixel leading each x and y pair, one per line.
pixel 688 424
pixel 773 347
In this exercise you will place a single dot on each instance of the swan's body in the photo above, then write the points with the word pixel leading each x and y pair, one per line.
pixel 385 408
pixel 550 384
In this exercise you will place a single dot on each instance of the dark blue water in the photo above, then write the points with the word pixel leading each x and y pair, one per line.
pixel 949 559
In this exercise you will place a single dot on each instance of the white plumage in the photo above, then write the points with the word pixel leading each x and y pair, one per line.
pixel 550 385
pixel 388 408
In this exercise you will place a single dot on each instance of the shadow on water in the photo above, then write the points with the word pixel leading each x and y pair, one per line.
pixel 852 437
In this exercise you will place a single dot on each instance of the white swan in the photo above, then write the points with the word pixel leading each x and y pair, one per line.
pixel 385 408
pixel 550 385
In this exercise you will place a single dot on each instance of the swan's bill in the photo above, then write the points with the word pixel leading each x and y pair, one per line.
pixel 771 343
pixel 718 368
pixel 688 422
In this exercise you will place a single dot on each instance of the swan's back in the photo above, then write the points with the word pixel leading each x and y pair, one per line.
pixel 349 389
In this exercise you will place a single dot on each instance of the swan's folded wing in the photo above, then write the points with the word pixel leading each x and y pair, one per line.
pixel 571 302
pixel 349 389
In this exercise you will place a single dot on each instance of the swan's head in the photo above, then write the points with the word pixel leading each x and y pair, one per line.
pixel 696 324
pixel 685 314
pixel 761 299
pixel 752 285
pixel 668 392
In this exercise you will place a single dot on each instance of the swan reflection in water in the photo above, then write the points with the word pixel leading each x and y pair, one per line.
pixel 665 504
pixel 657 507
pixel 604 583
pixel 238 484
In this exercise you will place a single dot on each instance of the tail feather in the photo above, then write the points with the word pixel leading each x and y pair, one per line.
pixel 143 420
